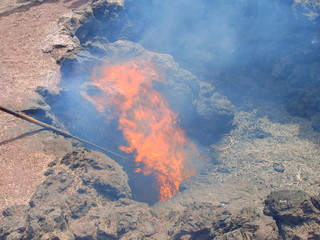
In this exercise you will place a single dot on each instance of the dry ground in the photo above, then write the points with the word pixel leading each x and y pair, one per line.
pixel 23 67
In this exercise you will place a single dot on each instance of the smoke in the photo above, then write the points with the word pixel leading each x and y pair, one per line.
pixel 242 50
pixel 217 39
pixel 248 49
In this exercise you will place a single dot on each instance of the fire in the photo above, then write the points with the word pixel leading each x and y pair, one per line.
pixel 149 126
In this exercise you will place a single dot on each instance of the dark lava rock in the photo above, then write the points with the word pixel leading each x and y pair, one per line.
pixel 215 112
pixel 100 172
pixel 316 201
pixel 15 223
pixel 278 167
pixel 206 221
pixel 295 212
pixel 66 195
pixel 223 170
pixel 304 103
pixel 80 199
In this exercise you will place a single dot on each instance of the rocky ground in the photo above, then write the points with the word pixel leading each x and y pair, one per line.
pixel 26 26
pixel 86 196
pixel 262 181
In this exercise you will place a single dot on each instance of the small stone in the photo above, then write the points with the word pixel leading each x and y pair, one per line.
pixel 52 164
pixel 278 167
pixel 49 172
pixel 7 212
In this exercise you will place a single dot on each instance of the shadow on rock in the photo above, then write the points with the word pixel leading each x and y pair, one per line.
pixel 295 212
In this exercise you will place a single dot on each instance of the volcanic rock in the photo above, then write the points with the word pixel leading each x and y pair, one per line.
pixel 66 194
pixel 92 167
pixel 76 201
pixel 86 195
pixel 296 213
pixel 70 30
pixel 278 167
pixel 215 113
pixel 80 199
pixel 196 103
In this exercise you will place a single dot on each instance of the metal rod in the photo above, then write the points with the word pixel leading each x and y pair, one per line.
pixel 56 130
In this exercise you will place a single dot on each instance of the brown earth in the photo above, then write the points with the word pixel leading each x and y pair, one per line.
pixel 24 29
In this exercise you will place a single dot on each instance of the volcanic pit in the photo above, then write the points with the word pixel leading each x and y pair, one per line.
pixel 212 107
pixel 141 105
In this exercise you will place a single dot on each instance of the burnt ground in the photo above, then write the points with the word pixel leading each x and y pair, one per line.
pixel 262 181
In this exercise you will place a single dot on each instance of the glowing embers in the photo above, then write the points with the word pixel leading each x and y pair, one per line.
pixel 148 125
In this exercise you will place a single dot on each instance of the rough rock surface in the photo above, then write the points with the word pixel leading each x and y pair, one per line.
pixel 76 201
pixel 24 153
pixel 296 213
pixel 196 103
pixel 263 178
pixel 82 180
pixel 85 196
pixel 34 35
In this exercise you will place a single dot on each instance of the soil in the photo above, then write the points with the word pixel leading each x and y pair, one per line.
pixel 24 29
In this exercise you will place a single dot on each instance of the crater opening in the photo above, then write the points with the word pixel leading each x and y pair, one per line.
pixel 143 106
pixel 204 60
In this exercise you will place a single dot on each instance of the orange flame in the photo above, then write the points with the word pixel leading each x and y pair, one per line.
pixel 147 123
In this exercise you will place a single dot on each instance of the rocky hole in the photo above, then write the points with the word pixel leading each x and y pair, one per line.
pixel 200 88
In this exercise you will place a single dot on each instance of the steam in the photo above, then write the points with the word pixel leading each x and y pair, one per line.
pixel 246 50
pixel 217 39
